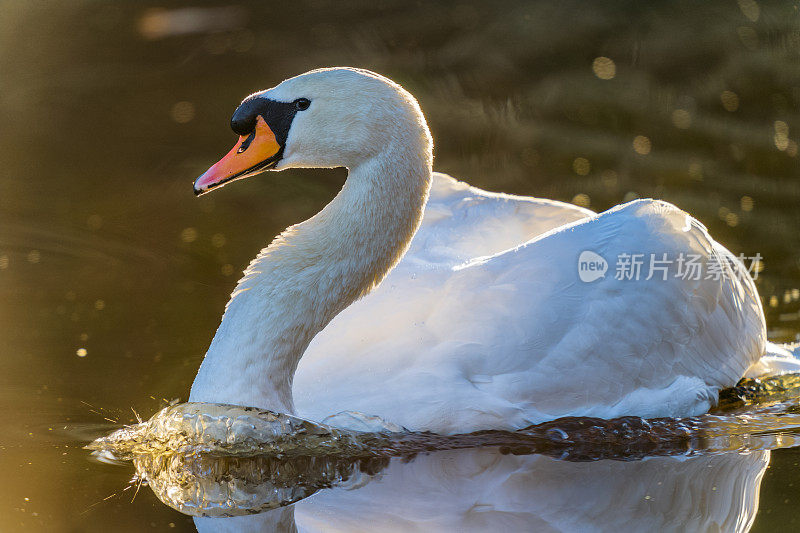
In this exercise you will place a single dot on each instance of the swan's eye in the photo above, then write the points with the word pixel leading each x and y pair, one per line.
pixel 302 104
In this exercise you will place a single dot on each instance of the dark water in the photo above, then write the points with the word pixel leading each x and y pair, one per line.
pixel 110 109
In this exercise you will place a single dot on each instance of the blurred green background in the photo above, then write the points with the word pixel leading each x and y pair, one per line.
pixel 113 276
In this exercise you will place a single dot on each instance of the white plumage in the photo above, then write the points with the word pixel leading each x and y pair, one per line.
pixel 485 322
pixel 453 343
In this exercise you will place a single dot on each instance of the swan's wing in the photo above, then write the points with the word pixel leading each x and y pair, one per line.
pixel 462 222
pixel 518 338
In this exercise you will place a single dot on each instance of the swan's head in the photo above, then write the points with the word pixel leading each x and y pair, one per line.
pixel 337 117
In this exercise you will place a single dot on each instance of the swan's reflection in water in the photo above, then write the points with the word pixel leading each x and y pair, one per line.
pixel 203 485
pixel 485 490
pixel 244 469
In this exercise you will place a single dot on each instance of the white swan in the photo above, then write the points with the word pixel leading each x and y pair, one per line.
pixel 485 322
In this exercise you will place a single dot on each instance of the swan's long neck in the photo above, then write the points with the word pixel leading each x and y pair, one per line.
pixel 309 274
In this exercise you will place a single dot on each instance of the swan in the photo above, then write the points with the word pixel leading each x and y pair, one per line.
pixel 438 306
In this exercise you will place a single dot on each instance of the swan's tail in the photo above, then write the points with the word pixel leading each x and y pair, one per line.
pixel 777 359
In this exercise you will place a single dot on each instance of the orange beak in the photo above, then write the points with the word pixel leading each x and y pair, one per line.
pixel 252 154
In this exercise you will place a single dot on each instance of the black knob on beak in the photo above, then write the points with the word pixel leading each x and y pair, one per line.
pixel 243 121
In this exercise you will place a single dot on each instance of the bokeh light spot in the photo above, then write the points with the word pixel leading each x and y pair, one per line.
pixel 730 101
pixel 630 196
pixel 218 240
pixel 696 170
pixel 189 235
pixel 604 68
pixel 681 118
pixel 750 9
pixel 582 200
pixel 609 178
pixel 781 137
pixel 581 166
pixel 748 37
pixel 791 148
pixel 642 145
pixel 182 112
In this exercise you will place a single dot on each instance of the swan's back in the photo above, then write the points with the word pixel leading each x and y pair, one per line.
pixel 463 222
pixel 516 338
